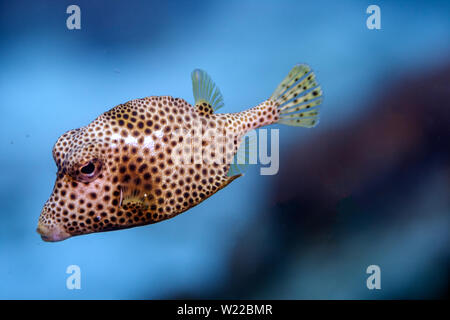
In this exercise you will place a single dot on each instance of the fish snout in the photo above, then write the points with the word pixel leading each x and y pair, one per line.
pixel 51 233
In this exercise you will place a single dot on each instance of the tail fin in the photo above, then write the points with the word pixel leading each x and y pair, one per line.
pixel 298 98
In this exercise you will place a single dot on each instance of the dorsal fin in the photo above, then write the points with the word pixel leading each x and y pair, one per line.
pixel 206 94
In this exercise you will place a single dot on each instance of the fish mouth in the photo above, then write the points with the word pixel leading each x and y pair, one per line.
pixel 51 234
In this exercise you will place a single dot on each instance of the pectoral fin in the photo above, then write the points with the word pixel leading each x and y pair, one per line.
pixel 134 198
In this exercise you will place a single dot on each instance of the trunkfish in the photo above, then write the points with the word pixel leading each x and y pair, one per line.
pixel 150 159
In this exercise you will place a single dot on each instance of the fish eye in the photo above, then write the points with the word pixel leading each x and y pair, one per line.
pixel 88 171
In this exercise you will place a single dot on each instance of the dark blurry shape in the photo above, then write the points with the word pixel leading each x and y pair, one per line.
pixel 349 179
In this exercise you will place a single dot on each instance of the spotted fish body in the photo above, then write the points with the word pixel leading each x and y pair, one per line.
pixel 129 166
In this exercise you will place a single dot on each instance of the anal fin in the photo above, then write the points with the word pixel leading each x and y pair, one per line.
pixel 245 155
pixel 230 180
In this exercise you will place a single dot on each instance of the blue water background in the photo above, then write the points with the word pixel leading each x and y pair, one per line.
pixel 53 79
